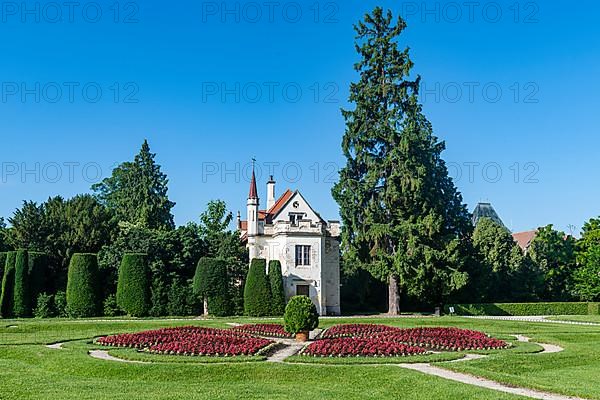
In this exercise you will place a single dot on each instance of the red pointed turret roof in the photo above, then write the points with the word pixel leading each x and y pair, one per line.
pixel 253 191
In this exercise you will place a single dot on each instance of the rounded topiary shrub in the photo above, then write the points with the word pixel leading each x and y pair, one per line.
pixel 211 283
pixel 22 293
pixel 257 302
pixel 300 315
pixel 277 292
pixel 8 284
pixel 83 291
pixel 133 288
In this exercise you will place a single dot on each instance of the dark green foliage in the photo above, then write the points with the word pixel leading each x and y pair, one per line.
pixel 133 288
pixel 8 285
pixel 110 307
pixel 361 292
pixel 60 304
pixel 300 315
pixel 553 253
pixel 257 302
pixel 83 294
pixel 182 302
pixel 524 309
pixel 22 292
pixel 211 282
pixel 277 291
pixel 2 262
pixel 44 306
pixel 403 218
pixel 587 276
pixel 4 232
pixel 38 269
pixel 136 192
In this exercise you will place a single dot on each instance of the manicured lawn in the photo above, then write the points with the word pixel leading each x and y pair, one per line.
pixel 578 318
pixel 29 370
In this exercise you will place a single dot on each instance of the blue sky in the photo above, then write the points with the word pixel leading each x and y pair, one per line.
pixel 510 86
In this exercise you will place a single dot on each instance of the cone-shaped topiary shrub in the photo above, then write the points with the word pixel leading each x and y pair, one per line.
pixel 257 302
pixel 22 292
pixel 300 315
pixel 276 284
pixel 38 268
pixel 83 291
pixel 8 285
pixel 133 288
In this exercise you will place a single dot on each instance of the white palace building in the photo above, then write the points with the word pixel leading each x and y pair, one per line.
pixel 307 246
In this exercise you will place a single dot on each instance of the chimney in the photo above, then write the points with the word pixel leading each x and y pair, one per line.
pixel 270 193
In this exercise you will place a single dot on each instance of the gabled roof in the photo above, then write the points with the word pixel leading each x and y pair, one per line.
pixel 524 239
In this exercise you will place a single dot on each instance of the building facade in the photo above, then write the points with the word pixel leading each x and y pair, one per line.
pixel 308 247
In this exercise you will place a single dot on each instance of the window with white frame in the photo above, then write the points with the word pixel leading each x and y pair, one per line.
pixel 302 256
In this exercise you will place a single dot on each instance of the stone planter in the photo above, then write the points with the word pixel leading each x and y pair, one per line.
pixel 302 336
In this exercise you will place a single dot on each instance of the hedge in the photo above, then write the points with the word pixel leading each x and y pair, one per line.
pixel 525 309
pixel 277 292
pixel 83 291
pixel 2 262
pixel 22 291
pixel 211 282
pixel 257 302
pixel 133 287
pixel 38 269
pixel 8 284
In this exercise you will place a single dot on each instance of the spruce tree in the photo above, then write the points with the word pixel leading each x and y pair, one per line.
pixel 137 192
pixel 403 218
pixel 257 301
pixel 277 291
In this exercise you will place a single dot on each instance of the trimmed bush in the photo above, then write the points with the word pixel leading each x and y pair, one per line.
pixel 300 315
pixel 257 302
pixel 44 306
pixel 8 285
pixel 22 292
pixel 2 262
pixel 110 307
pixel 60 304
pixel 83 294
pixel 277 292
pixel 211 282
pixel 38 269
pixel 524 309
pixel 133 288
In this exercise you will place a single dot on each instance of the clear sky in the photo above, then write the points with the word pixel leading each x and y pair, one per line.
pixel 512 87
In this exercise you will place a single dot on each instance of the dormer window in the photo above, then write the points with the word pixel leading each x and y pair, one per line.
pixel 295 218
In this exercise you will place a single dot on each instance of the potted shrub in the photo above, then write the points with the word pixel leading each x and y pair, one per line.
pixel 301 317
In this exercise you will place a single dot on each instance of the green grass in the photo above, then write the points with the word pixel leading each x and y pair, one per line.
pixel 29 370
pixel 577 318
pixel 134 355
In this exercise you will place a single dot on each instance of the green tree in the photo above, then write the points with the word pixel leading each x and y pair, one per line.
pixel 2 263
pixel 8 285
pixel 277 291
pixel 257 302
pixel 133 289
pixel 83 298
pixel 211 284
pixel 137 192
pixel 22 293
pixel 29 228
pixel 4 232
pixel 587 276
pixel 403 218
pixel 38 269
pixel 553 253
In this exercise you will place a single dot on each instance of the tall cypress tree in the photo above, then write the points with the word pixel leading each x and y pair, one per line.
pixel 404 219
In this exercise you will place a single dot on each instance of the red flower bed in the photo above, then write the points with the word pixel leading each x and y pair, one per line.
pixel 268 330
pixel 354 347
pixel 380 340
pixel 192 341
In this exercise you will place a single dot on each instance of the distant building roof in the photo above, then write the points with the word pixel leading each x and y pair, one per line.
pixel 524 239
pixel 486 210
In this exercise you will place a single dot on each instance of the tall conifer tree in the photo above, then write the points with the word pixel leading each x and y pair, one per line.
pixel 404 219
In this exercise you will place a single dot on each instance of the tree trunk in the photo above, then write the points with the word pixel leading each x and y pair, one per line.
pixel 394 296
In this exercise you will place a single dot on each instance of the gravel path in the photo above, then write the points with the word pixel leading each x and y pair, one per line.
pixel 289 350
pixel 103 355
pixel 537 319
pixel 55 346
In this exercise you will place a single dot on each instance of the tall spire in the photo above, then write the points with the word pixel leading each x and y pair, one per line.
pixel 253 190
